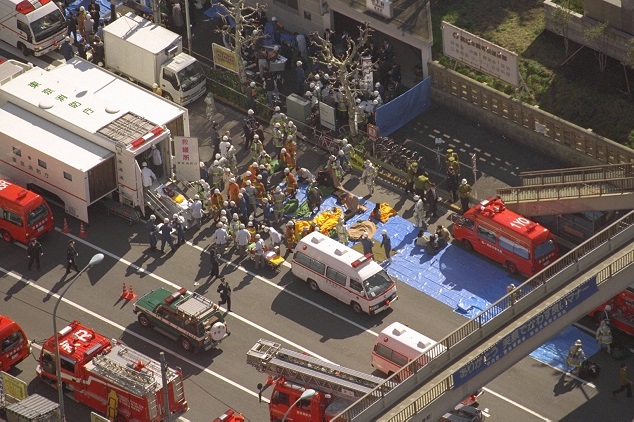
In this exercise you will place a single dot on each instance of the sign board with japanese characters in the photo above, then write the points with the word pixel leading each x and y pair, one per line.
pixel 187 162
pixel 224 58
pixel 327 116
pixel 381 7
pixel 12 389
pixel 480 54
pixel 525 332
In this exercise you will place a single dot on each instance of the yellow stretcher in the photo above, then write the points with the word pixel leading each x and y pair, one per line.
pixel 273 259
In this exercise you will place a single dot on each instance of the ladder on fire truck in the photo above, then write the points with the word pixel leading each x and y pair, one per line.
pixel 269 357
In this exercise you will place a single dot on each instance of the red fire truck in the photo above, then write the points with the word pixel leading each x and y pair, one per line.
pixel 23 214
pixel 230 416
pixel 110 377
pixel 14 346
pixel 291 373
pixel 518 243
pixel 620 313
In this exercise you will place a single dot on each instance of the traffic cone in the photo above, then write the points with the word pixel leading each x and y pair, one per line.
pixel 124 293
pixel 82 232
pixel 131 295
pixel 65 229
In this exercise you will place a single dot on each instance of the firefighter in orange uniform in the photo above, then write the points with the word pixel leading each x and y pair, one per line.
pixel 233 190
pixel 254 168
pixel 252 231
pixel 291 183
pixel 290 236
pixel 216 202
pixel 261 190
pixel 291 145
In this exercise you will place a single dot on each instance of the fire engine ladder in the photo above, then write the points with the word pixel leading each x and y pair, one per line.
pixel 567 191
pixel 269 357
pixel 138 383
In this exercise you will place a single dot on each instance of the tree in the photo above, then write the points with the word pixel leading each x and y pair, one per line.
pixel 240 37
pixel 596 37
pixel 347 68
pixel 628 61
pixel 561 17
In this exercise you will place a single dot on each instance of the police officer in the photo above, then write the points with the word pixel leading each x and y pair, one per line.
pixel 225 293
pixel 34 251
pixel 71 254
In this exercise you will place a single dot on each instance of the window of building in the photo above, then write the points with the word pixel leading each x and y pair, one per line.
pixel 17 151
pixel 41 163
pixel 293 4
pixel 68 176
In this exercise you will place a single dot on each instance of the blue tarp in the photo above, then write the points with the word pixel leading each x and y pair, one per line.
pixel 460 279
pixel 218 11
pixel 401 110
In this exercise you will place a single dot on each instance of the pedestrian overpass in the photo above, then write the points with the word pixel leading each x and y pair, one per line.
pixel 566 191
pixel 507 331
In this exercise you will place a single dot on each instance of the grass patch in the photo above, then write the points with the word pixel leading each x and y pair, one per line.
pixel 574 90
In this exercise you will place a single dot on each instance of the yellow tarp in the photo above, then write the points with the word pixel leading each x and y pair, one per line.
pixel 386 212
pixel 328 219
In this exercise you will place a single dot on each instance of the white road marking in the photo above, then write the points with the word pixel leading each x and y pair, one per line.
pixel 123 329
pixel 526 409
pixel 178 286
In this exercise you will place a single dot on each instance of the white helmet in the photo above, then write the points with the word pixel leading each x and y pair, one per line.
pixel 265 200
pixel 289 137
pixel 250 112
pixel 375 102
pixel 225 204
pixel 256 137
pixel 196 196
pixel 299 63
pixel 241 226
pixel 278 189
pixel 283 151
pixel 309 94
pixel 225 138
pixel 376 93
pixel 378 84
pixel 254 164
pixel 257 237
pixel 277 108
pixel 166 220
pixel 232 180
pixel 248 183
pixel 219 225
pixel 344 141
pixel 259 177
pixel 248 173
pixel 216 163
pixel 216 191
pixel 277 124
pixel 287 171
pixel 235 216
pixel 252 84
pixel 152 217
pixel 175 216
pixel 608 308
pixel 232 203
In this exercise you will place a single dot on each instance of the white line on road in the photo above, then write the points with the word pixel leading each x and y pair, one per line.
pixel 132 333
pixel 177 286
pixel 514 403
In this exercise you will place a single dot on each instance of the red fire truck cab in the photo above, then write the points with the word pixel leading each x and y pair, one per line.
pixel 110 377
pixel 14 346
pixel 23 214
pixel 621 313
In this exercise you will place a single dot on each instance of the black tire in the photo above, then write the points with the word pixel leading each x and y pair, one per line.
pixel 186 344
pixel 313 285
pixel 6 236
pixel 144 320
pixel 356 307
pixel 25 51
pixel 511 267
pixel 167 96
pixel 467 245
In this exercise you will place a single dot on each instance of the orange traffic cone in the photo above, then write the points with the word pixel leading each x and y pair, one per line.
pixel 65 229
pixel 124 293
pixel 131 295
pixel 82 232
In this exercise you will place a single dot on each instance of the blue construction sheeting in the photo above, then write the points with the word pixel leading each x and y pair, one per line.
pixel 555 350
pixel 462 280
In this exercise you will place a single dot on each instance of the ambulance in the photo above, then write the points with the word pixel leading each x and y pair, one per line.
pixel 344 273
pixel 33 26
pixel 14 346
pixel 398 345
pixel 23 213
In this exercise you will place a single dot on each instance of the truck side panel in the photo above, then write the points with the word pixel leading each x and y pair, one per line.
pixel 130 60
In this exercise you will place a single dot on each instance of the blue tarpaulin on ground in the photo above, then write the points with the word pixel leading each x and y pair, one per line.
pixel 397 113
pixel 218 11
pixel 460 279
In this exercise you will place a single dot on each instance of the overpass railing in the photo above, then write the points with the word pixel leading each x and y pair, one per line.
pixel 515 303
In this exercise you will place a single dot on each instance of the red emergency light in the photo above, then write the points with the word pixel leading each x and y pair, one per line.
pixel 365 258
pixel 24 7
pixel 154 132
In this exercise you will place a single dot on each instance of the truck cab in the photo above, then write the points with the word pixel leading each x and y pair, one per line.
pixel 182 79
pixel 321 407
pixel 187 317
pixel 14 346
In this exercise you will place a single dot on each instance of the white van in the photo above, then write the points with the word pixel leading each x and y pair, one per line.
pixel 398 345
pixel 344 273
pixel 32 26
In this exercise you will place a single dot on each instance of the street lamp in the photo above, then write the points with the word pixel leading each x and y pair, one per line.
pixel 308 394
pixel 96 259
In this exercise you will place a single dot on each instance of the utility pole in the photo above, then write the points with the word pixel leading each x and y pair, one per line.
pixel 474 163
pixel 189 28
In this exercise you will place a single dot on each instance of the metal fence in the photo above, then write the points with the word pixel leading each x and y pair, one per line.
pixel 528 294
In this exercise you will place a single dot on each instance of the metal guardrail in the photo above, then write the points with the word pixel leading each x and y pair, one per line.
pixel 569 190
pixel 576 174
pixel 525 296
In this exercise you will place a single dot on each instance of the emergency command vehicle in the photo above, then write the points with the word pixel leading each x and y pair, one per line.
pixel 518 243
pixel 344 273
pixel 23 214
pixel 110 377
pixel 188 317
pixel 14 346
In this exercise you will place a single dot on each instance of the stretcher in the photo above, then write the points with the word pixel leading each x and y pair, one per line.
pixel 272 258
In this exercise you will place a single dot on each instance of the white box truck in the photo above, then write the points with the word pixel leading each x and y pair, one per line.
pixel 35 26
pixel 149 54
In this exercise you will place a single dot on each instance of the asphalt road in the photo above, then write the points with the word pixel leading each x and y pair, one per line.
pixel 277 306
